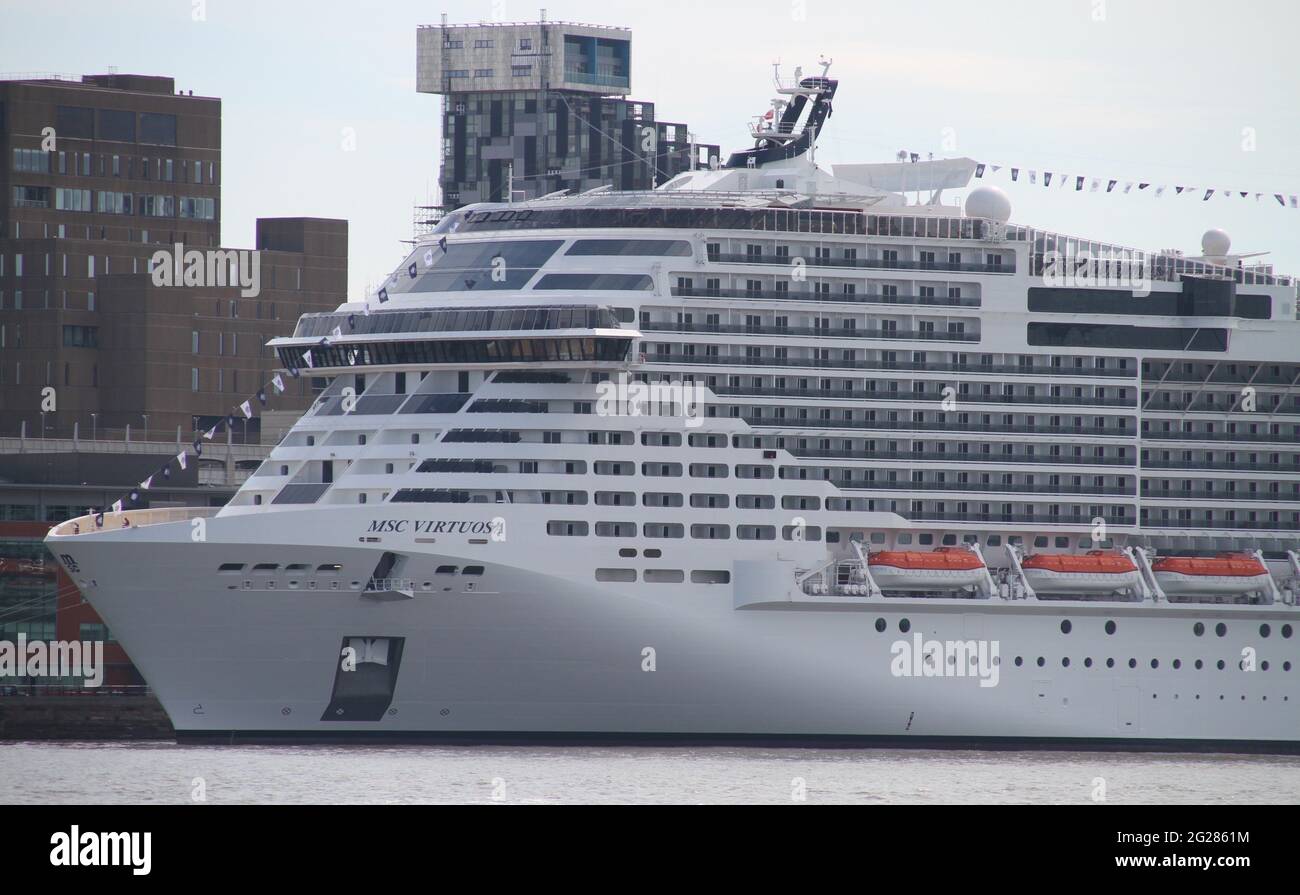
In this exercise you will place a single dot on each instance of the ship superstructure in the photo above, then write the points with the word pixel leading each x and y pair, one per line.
pixel 770 451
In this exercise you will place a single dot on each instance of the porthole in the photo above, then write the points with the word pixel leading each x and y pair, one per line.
pixel 1199 664
pixel 1286 666
pixel 881 625
pixel 1286 632
pixel 1155 663
pixel 1066 626
pixel 1178 663
pixel 1087 663
pixel 1265 630
pixel 904 625
pixel 1221 665
pixel 1110 627
pixel 1110 663
pixel 1264 665
pixel 1019 661
pixel 1065 661
pixel 1198 629
pixel 1132 663
pixel 1221 629
pixel 1041 661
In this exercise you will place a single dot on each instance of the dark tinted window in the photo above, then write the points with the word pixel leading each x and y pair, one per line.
pixel 480 266
pixel 1114 335
pixel 74 121
pixel 653 247
pixel 117 125
pixel 1189 303
pixel 158 128
pixel 619 281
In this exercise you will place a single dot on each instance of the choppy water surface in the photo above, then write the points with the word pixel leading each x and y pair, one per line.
pixel 115 773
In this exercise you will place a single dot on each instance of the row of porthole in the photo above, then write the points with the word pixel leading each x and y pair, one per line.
pixel 905 625
pixel 1155 663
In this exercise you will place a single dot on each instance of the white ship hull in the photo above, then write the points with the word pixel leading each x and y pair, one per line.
pixel 530 653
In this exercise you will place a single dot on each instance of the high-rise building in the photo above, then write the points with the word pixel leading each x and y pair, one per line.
pixel 536 107
pixel 97 176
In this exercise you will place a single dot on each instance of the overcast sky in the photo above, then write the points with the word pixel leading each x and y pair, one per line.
pixel 1193 92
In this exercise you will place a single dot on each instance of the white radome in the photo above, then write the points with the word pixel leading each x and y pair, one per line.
pixel 1215 243
pixel 988 202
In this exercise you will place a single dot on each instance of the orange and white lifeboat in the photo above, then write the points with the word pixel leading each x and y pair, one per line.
pixel 1227 573
pixel 1095 572
pixel 945 568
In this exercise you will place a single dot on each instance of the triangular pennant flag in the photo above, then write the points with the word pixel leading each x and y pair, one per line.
pixel 295 372
pixel 1078 184
pixel 198 447
pixel 383 295
pixel 277 382
pixel 1110 185
pixel 1280 201
pixel 1015 174
pixel 146 484
pixel 306 356
pixel 442 244
pixel 336 333
pixel 1033 177
pixel 230 423
pixel 1142 186
pixel 428 257
pixel 134 497
pixel 1047 178
pixel 167 472
pixel 248 410
pixel 1094 186
pixel 412 270
pixel 211 432
pixel 352 321
pixel 261 396
pixel 979 170
pixel 181 459
pixel 1208 194
pixel 1160 191
pixel 99 519
pixel 1295 200
pixel 365 309
pixel 995 168
pixel 1128 187
pixel 1243 194
pixel 117 506
pixel 1179 190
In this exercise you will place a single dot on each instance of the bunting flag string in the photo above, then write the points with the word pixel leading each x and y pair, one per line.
pixel 181 460
pixel 986 171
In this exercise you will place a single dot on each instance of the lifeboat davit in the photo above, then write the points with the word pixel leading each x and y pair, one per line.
pixel 1227 573
pixel 945 568
pixel 1095 572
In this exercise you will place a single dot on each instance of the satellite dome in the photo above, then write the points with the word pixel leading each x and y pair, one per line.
pixel 988 202
pixel 1215 243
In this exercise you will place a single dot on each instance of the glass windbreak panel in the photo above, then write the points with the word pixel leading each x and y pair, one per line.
pixel 366 404
pixel 651 247
pixel 473 351
pixel 620 281
pixel 476 266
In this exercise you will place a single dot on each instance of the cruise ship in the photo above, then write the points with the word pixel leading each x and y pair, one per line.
pixel 771 453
